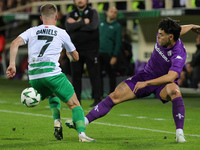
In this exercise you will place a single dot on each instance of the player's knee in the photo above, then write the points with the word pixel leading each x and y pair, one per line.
pixel 175 93
pixel 71 104
pixel 115 96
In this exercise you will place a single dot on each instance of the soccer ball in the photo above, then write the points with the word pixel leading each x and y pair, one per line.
pixel 30 97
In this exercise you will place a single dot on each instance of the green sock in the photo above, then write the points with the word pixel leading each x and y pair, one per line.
pixel 78 118
pixel 54 103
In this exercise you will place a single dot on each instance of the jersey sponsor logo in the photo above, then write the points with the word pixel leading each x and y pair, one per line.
pixel 47 31
pixel 39 59
pixel 33 59
pixel 161 53
pixel 178 57
pixel 169 53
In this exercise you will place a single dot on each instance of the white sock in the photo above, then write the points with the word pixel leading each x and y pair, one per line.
pixel 81 134
pixel 86 121
pixel 56 120
pixel 179 131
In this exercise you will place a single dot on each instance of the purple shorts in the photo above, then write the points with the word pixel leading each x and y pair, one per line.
pixel 143 76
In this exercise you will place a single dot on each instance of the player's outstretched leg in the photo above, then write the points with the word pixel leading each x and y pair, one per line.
pixel 100 109
pixel 178 110
pixel 79 123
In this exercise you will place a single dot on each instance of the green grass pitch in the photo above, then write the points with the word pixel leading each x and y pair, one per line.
pixel 144 124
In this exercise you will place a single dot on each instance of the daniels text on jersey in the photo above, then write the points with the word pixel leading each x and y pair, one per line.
pixel 47 31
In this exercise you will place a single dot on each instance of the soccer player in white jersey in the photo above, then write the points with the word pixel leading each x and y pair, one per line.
pixel 45 42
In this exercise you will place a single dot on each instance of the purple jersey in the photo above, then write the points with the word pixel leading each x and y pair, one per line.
pixel 161 62
pixel 165 59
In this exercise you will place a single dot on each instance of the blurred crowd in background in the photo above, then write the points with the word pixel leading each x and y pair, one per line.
pixel 140 4
pixel 126 66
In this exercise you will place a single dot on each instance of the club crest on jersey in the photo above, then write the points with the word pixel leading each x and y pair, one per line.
pixel 111 27
pixel 169 53
pixel 86 11
pixel 76 14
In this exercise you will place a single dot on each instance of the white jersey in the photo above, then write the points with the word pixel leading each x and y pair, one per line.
pixel 45 43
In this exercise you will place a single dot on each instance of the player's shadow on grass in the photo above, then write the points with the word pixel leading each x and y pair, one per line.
pixel 28 145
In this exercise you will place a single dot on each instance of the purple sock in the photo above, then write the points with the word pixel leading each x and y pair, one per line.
pixel 100 109
pixel 178 110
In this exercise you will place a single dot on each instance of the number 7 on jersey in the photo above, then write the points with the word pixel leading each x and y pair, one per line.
pixel 48 42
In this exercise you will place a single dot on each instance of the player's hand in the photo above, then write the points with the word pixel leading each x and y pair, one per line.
pixel 196 29
pixel 139 85
pixel 113 61
pixel 11 71
pixel 70 57
pixel 87 21
pixel 73 56
pixel 71 20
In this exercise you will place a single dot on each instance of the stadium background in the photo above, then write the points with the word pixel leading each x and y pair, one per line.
pixel 141 22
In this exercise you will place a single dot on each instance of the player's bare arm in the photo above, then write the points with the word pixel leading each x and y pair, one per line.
pixel 165 79
pixel 73 56
pixel 186 28
pixel 11 70
pixel 14 49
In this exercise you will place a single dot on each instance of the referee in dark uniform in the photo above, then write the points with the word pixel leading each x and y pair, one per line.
pixel 82 25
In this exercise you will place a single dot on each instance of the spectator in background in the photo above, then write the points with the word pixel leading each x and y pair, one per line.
pixel 82 25
pixel 110 42
pixel 194 65
pixel 158 4
pixel 197 3
pixel 64 63
pixel 2 44
pixel 61 19
pixel 2 5
pixel 136 5
pixel 21 2
pixel 11 4
pixel 183 80
pixel 2 37
pixel 125 65
pixel 2 24
pixel 179 3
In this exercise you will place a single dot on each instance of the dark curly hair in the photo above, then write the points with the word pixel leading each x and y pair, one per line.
pixel 170 26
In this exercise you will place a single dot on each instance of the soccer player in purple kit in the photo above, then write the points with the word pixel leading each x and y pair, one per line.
pixel 159 76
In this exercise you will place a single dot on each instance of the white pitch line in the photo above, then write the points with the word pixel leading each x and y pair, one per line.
pixel 107 124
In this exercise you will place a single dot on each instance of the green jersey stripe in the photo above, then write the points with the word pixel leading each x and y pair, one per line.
pixel 40 71
pixel 43 64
